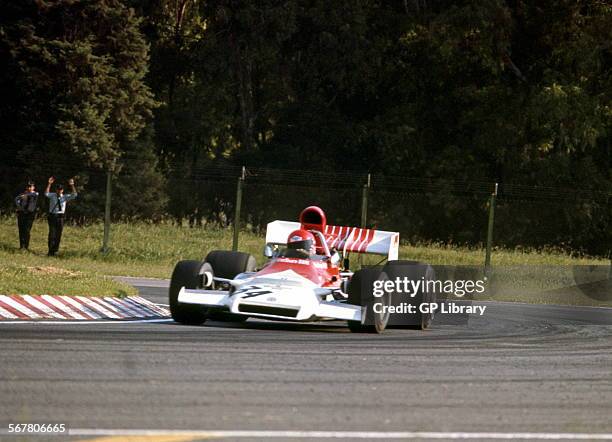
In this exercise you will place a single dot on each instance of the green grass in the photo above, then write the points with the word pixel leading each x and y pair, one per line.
pixel 148 250
pixel 455 255
pixel 51 280
pixel 136 249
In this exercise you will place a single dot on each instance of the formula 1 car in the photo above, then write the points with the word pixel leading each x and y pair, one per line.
pixel 306 278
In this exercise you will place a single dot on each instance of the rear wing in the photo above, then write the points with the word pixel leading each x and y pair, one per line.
pixel 345 239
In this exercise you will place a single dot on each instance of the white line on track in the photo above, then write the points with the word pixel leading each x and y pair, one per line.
pixel 89 322
pixel 343 434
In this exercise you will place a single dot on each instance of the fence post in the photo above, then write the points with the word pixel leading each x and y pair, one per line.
pixel 107 213
pixel 237 210
pixel 490 230
pixel 364 203
pixel 364 210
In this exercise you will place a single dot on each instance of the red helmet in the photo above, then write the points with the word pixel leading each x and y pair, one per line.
pixel 301 240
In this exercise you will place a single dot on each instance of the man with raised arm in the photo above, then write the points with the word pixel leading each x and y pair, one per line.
pixel 57 212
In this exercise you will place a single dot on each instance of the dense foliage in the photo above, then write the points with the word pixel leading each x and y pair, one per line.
pixel 509 91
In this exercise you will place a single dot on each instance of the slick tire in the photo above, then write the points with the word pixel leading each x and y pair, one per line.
pixel 360 293
pixel 227 264
pixel 187 274
pixel 412 270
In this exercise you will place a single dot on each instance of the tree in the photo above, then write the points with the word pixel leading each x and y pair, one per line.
pixel 83 65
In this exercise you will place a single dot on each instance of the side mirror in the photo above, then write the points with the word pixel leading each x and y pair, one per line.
pixel 334 259
pixel 268 251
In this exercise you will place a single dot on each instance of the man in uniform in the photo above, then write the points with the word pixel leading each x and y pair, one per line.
pixel 57 211
pixel 26 211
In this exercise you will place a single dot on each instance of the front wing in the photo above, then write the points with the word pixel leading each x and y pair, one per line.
pixel 272 306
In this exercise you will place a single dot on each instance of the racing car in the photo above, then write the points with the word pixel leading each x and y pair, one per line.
pixel 306 278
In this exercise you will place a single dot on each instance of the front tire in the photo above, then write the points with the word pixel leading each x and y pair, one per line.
pixel 227 264
pixel 360 293
pixel 187 274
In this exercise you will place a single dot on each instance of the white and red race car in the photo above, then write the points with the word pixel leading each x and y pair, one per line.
pixel 298 284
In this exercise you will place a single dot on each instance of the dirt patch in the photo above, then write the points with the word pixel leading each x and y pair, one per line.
pixel 49 270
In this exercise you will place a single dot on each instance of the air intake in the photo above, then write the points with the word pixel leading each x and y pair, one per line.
pixel 257 309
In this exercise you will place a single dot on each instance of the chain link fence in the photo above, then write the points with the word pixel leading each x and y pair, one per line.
pixel 423 210
pixel 449 212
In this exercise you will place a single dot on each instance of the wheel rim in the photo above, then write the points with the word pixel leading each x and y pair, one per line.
pixel 381 319
pixel 427 318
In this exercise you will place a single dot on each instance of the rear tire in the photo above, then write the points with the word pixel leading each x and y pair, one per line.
pixel 186 274
pixel 360 293
pixel 412 270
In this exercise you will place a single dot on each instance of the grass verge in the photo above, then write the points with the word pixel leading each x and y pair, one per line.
pixel 50 280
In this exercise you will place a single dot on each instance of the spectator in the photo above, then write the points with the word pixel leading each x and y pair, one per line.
pixel 26 211
pixel 57 211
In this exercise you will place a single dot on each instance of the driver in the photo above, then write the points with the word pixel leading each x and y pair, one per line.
pixel 302 242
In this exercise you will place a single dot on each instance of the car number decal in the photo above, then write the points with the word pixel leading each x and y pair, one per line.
pixel 252 291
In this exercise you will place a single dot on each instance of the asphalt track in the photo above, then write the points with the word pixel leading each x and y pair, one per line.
pixel 518 369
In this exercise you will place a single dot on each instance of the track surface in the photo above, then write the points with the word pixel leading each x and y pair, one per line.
pixel 517 368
